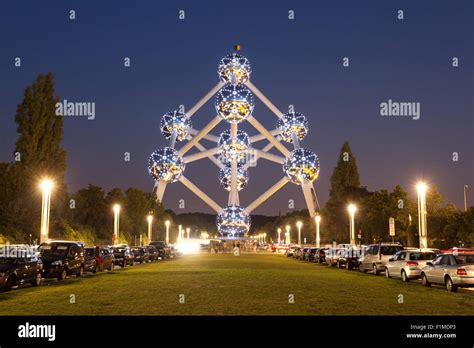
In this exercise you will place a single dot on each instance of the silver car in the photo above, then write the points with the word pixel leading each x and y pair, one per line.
pixel 453 270
pixel 407 264
pixel 377 255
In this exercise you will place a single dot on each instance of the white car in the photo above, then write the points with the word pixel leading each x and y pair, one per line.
pixel 376 256
pixel 407 264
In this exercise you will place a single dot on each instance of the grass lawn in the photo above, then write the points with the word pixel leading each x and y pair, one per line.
pixel 227 285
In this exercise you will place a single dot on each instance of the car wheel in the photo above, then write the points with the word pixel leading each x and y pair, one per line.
pixel 9 283
pixel 123 264
pixel 339 264
pixel 63 274
pixel 348 266
pixel 111 268
pixel 96 268
pixel 405 277
pixel 450 285
pixel 37 280
pixel 424 280
pixel 80 272
pixel 387 273
pixel 375 271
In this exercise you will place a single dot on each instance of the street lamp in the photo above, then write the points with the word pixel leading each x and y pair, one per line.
pixel 421 189
pixel 149 218
pixel 317 219
pixel 465 197
pixel 279 234
pixel 264 237
pixel 299 224
pixel 352 209
pixel 179 233
pixel 287 227
pixel 46 187
pixel 187 232
pixel 167 224
pixel 116 222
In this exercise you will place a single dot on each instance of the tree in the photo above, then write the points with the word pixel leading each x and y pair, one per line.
pixel 91 211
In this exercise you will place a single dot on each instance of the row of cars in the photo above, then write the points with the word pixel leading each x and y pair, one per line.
pixel 453 268
pixel 21 264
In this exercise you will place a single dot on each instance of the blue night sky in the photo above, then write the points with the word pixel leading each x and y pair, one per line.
pixel 295 62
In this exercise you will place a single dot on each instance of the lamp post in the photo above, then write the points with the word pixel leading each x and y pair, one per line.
pixel 279 235
pixel 287 227
pixel 299 224
pixel 187 232
pixel 149 218
pixel 422 230
pixel 465 197
pixel 46 187
pixel 264 237
pixel 167 224
pixel 116 222
pixel 317 220
pixel 352 209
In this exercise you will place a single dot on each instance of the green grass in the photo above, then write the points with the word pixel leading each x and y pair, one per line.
pixel 227 285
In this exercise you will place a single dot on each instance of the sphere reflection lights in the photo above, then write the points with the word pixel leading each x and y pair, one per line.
pixel 292 122
pixel 233 220
pixel 233 148
pixel 165 164
pixel 301 164
pixel 234 103
pixel 175 121
pixel 225 178
pixel 234 68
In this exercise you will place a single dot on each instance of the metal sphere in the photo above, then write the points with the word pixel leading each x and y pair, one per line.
pixel 233 220
pixel 175 121
pixel 234 68
pixel 234 103
pixel 165 164
pixel 292 122
pixel 301 164
pixel 225 178
pixel 233 148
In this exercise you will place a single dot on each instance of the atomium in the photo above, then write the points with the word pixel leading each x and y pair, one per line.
pixel 301 165
pixel 233 148
pixel 233 220
pixel 234 103
pixel 234 67
pixel 165 164
pixel 174 121
pixel 292 123
pixel 225 178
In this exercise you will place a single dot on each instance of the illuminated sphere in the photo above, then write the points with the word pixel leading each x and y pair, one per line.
pixel 225 180
pixel 175 121
pixel 233 148
pixel 234 103
pixel 301 164
pixel 233 220
pixel 234 68
pixel 292 122
pixel 165 164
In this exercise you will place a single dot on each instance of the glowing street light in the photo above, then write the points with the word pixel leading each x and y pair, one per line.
pixel 116 222
pixel 421 189
pixel 167 224
pixel 299 224
pixel 264 237
pixel 46 187
pixel 187 232
pixel 317 219
pixel 149 218
pixel 279 234
pixel 352 209
pixel 179 233
pixel 288 234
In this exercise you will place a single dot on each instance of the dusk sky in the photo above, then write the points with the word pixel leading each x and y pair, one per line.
pixel 296 62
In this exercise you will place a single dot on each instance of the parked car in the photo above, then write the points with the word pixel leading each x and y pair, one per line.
pixel 107 258
pixel 19 265
pixel 302 254
pixel 332 255
pixel 349 257
pixel 320 256
pixel 140 254
pixel 407 264
pixel 297 253
pixel 152 252
pixel 62 258
pixel 452 270
pixel 377 255
pixel 310 254
pixel 122 255
pixel 91 260
pixel 163 249
pixel 290 252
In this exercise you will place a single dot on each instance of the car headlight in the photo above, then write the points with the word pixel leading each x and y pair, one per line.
pixel 57 263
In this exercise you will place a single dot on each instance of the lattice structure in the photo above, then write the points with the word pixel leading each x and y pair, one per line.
pixel 235 152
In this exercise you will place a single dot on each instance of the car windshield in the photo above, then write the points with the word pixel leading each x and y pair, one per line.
pixel 422 256
pixel 7 260
pixel 53 249
pixel 465 259
pixel 389 250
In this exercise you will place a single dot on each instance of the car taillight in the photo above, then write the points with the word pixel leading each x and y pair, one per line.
pixel 461 272
pixel 411 263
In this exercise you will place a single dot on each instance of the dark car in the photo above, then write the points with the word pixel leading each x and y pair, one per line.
pixel 320 256
pixel 107 258
pixel 140 254
pixel 91 257
pixel 310 254
pixel 164 251
pixel 153 253
pixel 349 258
pixel 62 258
pixel 19 265
pixel 122 255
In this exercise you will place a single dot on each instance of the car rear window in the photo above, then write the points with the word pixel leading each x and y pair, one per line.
pixel 465 259
pixel 422 256
pixel 389 250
